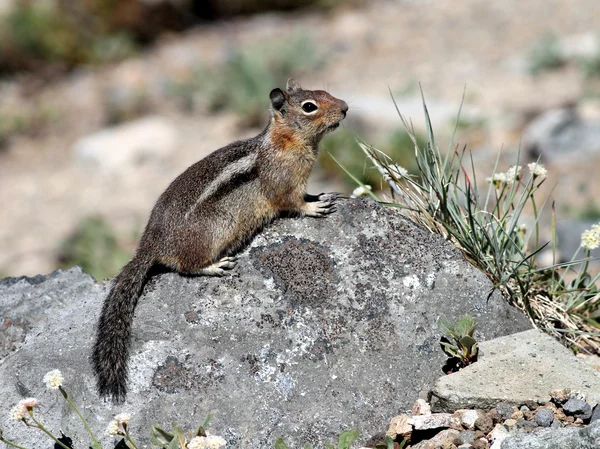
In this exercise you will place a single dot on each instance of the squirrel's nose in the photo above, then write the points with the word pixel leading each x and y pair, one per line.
pixel 344 108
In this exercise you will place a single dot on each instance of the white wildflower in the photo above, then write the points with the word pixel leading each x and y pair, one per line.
pixel 19 411
pixel 497 179
pixel 361 191
pixel 53 379
pixel 537 170
pixel 590 239
pixel 122 418
pixel 513 174
pixel 397 170
pixel 596 228
pixel 207 442
pixel 113 429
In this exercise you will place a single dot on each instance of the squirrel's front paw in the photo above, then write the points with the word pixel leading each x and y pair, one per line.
pixel 324 206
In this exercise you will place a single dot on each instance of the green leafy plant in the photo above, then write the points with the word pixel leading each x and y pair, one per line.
pixel 545 55
pixel 458 341
pixel 95 247
pixel 239 83
pixel 486 225
pixel 345 440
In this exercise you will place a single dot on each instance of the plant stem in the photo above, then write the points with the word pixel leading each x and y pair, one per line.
pixel 43 429
pixel 11 443
pixel 128 437
pixel 537 227
pixel 95 443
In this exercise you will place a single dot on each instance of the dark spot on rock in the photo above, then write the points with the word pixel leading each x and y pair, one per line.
pixel 191 316
pixel 252 361
pixel 174 375
pixel 301 268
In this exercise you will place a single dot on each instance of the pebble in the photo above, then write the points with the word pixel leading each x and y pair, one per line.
pixel 578 408
pixel 556 424
pixel 467 436
pixel 544 417
pixel 524 408
pixel 506 410
pixel 595 414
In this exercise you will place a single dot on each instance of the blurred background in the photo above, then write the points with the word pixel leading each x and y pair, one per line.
pixel 104 102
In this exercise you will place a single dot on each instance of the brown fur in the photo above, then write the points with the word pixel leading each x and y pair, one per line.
pixel 215 206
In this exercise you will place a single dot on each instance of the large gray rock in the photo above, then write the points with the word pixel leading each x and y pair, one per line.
pixel 325 325
pixel 562 438
pixel 119 148
pixel 560 134
pixel 516 369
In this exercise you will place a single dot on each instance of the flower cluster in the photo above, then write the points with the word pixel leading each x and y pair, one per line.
pixel 397 170
pixel 513 174
pixel 118 424
pixel 590 239
pixel 207 442
pixel 361 191
pixel 537 170
pixel 53 379
pixel 19 411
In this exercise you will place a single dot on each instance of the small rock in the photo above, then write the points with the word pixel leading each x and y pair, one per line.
pixel 517 415
pixel 525 425
pixel 421 407
pixel 400 425
pixel 506 410
pixel 498 435
pixel 482 443
pixel 560 396
pixel 570 419
pixel 510 422
pixel 456 420
pixel 496 417
pixel 578 408
pixel 443 440
pixel 524 408
pixel 560 414
pixel 434 421
pixel 484 422
pixel 467 436
pixel 465 446
pixel 468 418
pixel 578 422
pixel 556 424
pixel 544 417
pixel 595 414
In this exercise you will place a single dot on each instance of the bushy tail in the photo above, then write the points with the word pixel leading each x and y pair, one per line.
pixel 111 350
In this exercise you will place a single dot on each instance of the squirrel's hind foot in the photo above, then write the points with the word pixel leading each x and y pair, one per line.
pixel 219 268
pixel 324 205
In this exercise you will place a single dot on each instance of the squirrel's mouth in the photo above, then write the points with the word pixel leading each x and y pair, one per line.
pixel 333 127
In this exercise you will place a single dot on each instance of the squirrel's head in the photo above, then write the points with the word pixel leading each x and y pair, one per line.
pixel 313 113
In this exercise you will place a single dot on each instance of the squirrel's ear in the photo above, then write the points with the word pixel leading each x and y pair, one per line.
pixel 292 86
pixel 278 99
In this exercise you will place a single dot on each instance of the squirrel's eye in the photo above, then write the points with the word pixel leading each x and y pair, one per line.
pixel 309 106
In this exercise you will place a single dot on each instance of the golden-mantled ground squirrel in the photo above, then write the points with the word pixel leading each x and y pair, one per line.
pixel 215 206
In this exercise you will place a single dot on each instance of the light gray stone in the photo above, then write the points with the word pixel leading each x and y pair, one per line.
pixel 121 147
pixel 516 369
pixel 433 421
pixel 324 325
pixel 558 134
pixel 561 438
